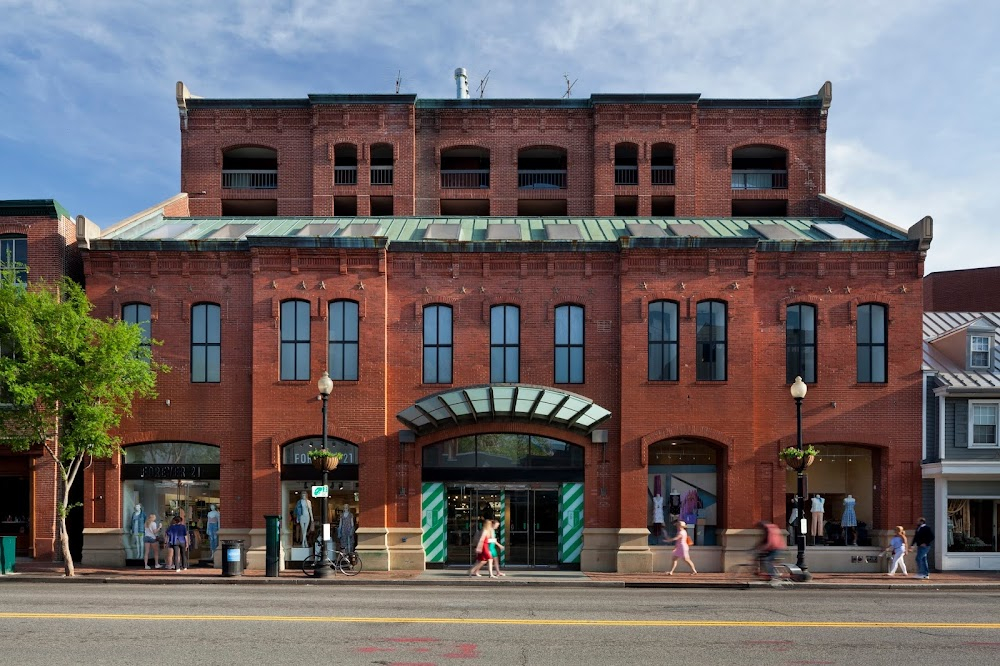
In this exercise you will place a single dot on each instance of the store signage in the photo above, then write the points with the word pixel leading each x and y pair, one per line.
pixel 297 453
pixel 170 471
pixel 321 491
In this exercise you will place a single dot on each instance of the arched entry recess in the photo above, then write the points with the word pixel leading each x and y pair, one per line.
pixel 532 483
pixel 684 483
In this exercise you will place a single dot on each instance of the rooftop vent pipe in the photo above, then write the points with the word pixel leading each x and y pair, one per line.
pixel 461 83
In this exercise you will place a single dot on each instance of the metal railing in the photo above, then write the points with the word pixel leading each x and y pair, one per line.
pixel 626 175
pixel 760 179
pixel 249 179
pixel 662 175
pixel 345 175
pixel 542 178
pixel 381 175
pixel 476 179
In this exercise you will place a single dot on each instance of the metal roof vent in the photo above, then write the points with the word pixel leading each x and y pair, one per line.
pixel 461 83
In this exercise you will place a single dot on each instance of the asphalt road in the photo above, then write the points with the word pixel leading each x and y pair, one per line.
pixel 58 623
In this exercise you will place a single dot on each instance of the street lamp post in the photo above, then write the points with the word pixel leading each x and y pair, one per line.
pixel 798 391
pixel 325 386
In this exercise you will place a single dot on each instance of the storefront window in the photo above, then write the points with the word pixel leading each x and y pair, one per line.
pixel 503 450
pixel 840 480
pixel 302 513
pixel 972 525
pixel 170 479
pixel 683 485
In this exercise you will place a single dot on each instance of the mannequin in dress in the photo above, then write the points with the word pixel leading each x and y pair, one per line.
pixel 849 521
pixel 345 530
pixel 658 517
pixel 137 524
pixel 816 523
pixel 304 516
pixel 212 527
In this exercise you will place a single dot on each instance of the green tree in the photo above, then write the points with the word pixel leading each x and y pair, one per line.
pixel 66 379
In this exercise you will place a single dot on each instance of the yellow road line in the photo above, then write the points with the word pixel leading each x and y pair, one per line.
pixel 494 621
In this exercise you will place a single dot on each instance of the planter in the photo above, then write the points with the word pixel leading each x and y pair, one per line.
pixel 326 463
pixel 798 464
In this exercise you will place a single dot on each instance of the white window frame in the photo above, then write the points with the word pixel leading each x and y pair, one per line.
pixel 972 425
pixel 973 351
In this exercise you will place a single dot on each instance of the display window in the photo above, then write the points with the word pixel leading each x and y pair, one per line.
pixel 973 525
pixel 683 481
pixel 302 522
pixel 15 509
pixel 838 502
pixel 168 479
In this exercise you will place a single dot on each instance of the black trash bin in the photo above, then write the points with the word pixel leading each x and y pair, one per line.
pixel 232 557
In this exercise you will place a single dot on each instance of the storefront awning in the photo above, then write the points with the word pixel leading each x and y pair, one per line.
pixel 503 402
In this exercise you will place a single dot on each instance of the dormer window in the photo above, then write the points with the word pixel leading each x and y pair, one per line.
pixel 979 351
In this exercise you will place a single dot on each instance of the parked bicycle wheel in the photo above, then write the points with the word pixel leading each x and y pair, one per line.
pixel 349 564
pixel 309 565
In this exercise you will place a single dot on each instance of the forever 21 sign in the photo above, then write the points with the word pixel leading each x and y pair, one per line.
pixel 169 471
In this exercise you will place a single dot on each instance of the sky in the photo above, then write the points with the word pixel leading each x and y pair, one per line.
pixel 88 115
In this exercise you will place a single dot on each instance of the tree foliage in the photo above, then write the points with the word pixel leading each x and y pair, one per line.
pixel 66 378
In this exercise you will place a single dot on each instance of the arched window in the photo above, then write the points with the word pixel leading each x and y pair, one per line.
pixel 381 164
pixel 343 337
pixel 873 333
pixel 626 164
pixel 295 340
pixel 760 168
pixel 466 167
pixel 662 164
pixel 541 168
pixel 437 344
pixel 14 258
pixel 711 341
pixel 505 343
pixel 569 345
pixel 345 164
pixel 800 343
pixel 683 484
pixel 140 315
pixel 206 343
pixel 250 168
pixel 662 340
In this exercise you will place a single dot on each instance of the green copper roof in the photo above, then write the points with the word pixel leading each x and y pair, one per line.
pixel 33 208
pixel 479 229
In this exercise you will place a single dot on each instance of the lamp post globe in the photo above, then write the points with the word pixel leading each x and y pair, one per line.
pixel 325 386
pixel 798 391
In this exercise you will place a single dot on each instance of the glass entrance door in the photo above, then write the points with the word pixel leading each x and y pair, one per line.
pixel 533 528
pixel 529 520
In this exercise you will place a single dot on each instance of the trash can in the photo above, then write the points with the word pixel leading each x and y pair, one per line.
pixel 7 547
pixel 232 558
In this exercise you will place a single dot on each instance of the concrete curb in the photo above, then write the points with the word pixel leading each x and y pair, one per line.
pixel 463 582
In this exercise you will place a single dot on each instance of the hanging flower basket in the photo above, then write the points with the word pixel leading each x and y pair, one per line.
pixel 325 460
pixel 798 459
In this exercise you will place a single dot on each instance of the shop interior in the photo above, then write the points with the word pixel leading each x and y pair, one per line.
pixel 303 523
pixel 168 498
pixel 839 474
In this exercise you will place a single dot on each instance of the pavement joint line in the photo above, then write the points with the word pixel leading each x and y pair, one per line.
pixel 508 621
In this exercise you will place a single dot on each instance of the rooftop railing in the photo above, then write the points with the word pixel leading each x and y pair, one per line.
pixel 760 179
pixel 476 179
pixel 249 179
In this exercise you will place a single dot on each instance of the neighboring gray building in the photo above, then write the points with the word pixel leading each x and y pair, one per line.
pixel 961 465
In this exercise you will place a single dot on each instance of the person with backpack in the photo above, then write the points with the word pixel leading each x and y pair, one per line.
pixel 771 544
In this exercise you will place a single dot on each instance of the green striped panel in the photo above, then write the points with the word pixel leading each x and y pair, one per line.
pixel 570 522
pixel 502 517
pixel 432 521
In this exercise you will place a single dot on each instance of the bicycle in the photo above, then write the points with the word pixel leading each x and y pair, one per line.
pixel 347 563
pixel 786 573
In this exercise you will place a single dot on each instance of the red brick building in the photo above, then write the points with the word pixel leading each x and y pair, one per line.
pixel 580 317
pixel 38 243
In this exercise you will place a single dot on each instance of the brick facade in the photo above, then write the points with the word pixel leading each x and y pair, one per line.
pixel 747 418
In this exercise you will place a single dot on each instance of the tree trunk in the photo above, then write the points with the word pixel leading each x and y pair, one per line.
pixel 63 533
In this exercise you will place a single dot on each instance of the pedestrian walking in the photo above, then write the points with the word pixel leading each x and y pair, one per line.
pixel 922 540
pixel 482 551
pixel 496 547
pixel 150 532
pixel 681 549
pixel 897 546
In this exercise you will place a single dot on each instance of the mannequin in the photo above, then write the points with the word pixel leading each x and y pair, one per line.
pixel 212 527
pixel 849 521
pixel 816 524
pixel 793 525
pixel 137 522
pixel 345 530
pixel 658 517
pixel 304 516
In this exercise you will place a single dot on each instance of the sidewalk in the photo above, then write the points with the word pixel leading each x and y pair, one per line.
pixel 52 572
